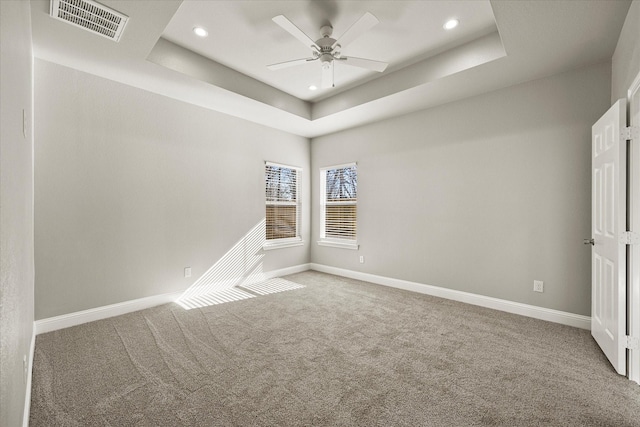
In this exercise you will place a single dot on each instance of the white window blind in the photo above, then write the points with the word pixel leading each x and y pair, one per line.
pixel 339 191
pixel 282 203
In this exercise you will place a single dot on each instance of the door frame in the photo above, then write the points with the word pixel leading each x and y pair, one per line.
pixel 633 283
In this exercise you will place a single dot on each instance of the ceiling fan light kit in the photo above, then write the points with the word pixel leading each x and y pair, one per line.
pixel 327 49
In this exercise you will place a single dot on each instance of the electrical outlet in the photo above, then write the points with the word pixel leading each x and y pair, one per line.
pixel 538 286
pixel 187 272
pixel 361 259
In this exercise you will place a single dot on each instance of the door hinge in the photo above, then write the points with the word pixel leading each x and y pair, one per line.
pixel 629 238
pixel 630 133
pixel 633 343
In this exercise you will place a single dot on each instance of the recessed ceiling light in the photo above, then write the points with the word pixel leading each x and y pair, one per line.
pixel 200 31
pixel 313 87
pixel 451 24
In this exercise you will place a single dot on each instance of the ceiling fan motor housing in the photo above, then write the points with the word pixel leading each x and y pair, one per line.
pixel 328 52
pixel 326 44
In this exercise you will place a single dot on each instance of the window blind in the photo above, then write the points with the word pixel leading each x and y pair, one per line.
pixel 340 202
pixel 282 207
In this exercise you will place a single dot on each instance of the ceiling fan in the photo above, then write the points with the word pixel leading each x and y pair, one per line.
pixel 327 49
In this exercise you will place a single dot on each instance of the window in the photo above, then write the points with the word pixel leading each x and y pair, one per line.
pixel 338 210
pixel 282 206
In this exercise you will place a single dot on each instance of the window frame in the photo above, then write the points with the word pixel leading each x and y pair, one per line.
pixel 335 241
pixel 284 242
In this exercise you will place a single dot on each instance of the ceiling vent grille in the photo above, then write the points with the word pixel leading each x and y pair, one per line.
pixel 91 16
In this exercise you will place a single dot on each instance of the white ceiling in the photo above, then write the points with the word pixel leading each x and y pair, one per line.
pixel 428 66
pixel 243 36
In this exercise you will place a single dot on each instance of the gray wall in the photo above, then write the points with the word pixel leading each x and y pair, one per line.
pixel 128 195
pixel 16 207
pixel 482 195
pixel 131 187
pixel 626 59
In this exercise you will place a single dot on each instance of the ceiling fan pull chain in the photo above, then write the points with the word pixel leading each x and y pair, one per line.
pixel 333 78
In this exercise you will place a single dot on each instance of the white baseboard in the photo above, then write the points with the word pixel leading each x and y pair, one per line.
pixel 288 270
pixel 27 396
pixel 77 318
pixel 556 316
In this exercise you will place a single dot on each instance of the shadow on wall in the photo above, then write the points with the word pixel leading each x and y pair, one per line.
pixel 241 265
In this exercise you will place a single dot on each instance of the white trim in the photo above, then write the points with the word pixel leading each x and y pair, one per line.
pixel 103 312
pixel 633 268
pixel 280 203
pixel 27 394
pixel 634 87
pixel 323 201
pixel 72 319
pixel 288 270
pixel 324 241
pixel 570 319
pixel 280 165
pixel 282 243
pixel 556 316
pixel 344 165
pixel 297 203
pixel 336 244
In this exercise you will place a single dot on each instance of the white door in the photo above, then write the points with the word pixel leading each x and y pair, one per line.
pixel 608 256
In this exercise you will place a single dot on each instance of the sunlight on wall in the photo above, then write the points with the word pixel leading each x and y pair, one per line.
pixel 241 265
pixel 238 275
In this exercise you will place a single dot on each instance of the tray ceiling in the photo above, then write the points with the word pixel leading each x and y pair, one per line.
pixel 243 37
pixel 497 44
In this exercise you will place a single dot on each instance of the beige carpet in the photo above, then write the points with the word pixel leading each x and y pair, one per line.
pixel 336 352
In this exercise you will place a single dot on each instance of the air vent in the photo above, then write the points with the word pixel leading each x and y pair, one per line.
pixel 91 16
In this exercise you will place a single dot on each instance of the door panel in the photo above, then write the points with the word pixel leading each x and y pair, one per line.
pixel 609 177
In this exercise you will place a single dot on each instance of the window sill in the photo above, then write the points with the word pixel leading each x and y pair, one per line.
pixel 336 244
pixel 289 243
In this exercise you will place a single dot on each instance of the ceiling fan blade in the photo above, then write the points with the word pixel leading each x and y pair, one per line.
pixel 369 64
pixel 366 22
pixel 287 64
pixel 327 75
pixel 296 32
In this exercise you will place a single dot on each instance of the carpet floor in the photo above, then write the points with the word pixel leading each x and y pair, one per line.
pixel 336 352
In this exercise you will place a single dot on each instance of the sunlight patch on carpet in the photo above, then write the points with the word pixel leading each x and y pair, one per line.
pixel 213 298
pixel 272 286
pixel 238 293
